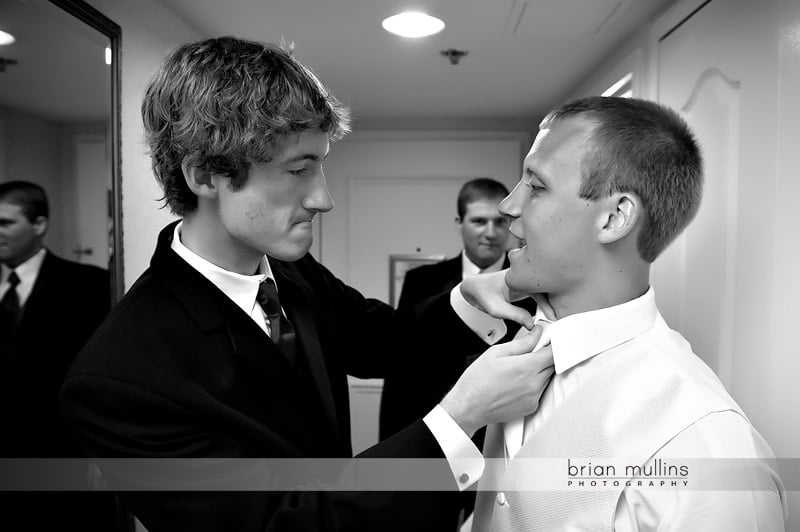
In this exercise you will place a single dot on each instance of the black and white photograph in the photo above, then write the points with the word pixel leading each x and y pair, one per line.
pixel 430 266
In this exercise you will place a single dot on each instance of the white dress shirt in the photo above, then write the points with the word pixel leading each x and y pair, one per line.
pixel 27 272
pixel 470 268
pixel 577 341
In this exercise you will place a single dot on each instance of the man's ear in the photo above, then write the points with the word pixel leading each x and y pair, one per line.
pixel 620 217
pixel 198 180
pixel 40 225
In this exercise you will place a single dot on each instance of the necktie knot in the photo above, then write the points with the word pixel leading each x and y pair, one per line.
pixel 544 340
pixel 281 330
pixel 267 297
pixel 13 280
pixel 516 430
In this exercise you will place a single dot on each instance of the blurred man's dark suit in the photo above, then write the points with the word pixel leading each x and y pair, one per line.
pixel 67 303
pixel 412 390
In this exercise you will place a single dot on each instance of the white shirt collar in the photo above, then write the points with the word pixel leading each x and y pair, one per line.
pixel 470 268
pixel 241 289
pixel 27 271
pixel 581 336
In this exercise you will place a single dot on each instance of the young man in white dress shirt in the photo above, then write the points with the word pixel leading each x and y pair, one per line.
pixel 606 186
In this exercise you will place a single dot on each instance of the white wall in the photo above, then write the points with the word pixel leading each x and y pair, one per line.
pixel 149 32
pixel 31 148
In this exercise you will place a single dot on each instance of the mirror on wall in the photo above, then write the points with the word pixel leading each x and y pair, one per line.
pixel 59 123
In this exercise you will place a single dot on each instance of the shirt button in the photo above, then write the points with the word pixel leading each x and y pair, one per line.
pixel 463 478
pixel 501 499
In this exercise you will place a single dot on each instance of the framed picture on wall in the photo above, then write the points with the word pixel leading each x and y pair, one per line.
pixel 399 265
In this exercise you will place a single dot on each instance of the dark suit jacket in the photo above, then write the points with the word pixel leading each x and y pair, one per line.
pixel 429 280
pixel 412 388
pixel 66 305
pixel 178 370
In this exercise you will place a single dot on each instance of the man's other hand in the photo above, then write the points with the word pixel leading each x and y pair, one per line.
pixel 504 383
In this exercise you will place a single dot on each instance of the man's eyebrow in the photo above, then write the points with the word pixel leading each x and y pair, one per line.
pixel 305 157
pixel 531 172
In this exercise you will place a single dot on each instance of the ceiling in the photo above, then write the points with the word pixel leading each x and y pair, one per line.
pixel 60 73
pixel 524 56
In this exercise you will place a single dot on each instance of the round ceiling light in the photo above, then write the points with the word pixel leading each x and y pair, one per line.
pixel 413 24
pixel 6 38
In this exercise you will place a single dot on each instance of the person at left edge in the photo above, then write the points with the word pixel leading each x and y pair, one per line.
pixel 49 307
pixel 186 365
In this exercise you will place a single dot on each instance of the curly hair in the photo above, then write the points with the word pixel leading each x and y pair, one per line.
pixel 224 104
pixel 643 147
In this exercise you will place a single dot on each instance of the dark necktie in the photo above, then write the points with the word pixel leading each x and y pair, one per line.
pixel 280 328
pixel 10 302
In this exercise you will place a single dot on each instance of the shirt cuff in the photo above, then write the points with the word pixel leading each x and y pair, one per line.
pixel 465 460
pixel 489 328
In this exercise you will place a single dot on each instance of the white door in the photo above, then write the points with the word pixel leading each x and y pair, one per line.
pixel 720 69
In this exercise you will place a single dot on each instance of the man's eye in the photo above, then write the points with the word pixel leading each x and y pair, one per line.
pixel 535 189
pixel 299 171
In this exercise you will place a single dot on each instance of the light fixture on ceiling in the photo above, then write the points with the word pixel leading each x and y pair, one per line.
pixel 412 24
pixel 6 38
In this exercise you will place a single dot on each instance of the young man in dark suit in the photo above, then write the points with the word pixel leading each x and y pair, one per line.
pixel 49 307
pixel 201 360
pixel 414 386
pixel 410 390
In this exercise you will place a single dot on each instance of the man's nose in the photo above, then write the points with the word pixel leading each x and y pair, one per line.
pixel 319 197
pixel 511 204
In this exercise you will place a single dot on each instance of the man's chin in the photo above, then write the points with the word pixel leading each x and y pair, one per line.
pixel 290 253
pixel 490 258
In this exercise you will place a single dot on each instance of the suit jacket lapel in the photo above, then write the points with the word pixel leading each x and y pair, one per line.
pixel 296 303
pixel 453 270
pixel 211 309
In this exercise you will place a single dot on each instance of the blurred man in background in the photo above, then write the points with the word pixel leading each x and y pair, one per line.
pixel 49 307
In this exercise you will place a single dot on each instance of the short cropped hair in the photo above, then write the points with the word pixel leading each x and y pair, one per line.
pixel 30 197
pixel 642 147
pixel 476 189
pixel 225 103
